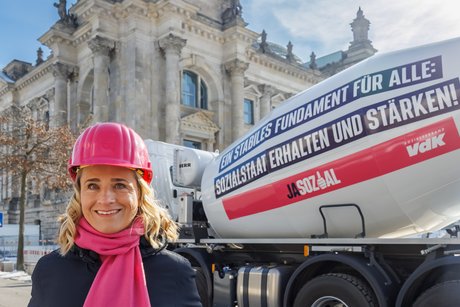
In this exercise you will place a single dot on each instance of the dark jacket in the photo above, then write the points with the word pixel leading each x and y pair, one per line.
pixel 59 281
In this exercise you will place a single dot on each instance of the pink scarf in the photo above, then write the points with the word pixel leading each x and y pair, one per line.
pixel 120 281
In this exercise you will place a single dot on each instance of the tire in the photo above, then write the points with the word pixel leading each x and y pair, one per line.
pixel 445 294
pixel 202 287
pixel 335 290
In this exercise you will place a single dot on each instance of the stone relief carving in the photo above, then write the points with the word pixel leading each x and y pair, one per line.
pixel 172 43
pixel 61 70
pixel 101 45
pixel 236 66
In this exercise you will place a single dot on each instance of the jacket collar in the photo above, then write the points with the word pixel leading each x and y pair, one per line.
pixel 92 257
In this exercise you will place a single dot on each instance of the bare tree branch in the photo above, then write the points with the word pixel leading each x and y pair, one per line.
pixel 31 151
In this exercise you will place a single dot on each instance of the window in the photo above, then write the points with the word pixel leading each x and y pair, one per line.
pixel 192 144
pixel 203 95
pixel 248 111
pixel 194 91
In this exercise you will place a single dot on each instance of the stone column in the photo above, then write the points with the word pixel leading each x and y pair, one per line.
pixel 210 144
pixel 101 48
pixel 72 107
pixel 59 112
pixel 236 69
pixel 172 46
pixel 156 98
pixel 265 99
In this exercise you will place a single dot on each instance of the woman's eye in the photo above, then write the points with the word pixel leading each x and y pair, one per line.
pixel 92 186
pixel 120 186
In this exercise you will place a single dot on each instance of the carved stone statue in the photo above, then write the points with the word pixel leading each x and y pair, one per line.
pixel 69 20
pixel 313 64
pixel 237 8
pixel 263 46
pixel 289 47
pixel 234 11
pixel 289 55
pixel 62 9
pixel 264 36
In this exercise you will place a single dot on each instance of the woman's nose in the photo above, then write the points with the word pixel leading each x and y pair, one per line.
pixel 106 196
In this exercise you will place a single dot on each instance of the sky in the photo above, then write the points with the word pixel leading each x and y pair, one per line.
pixel 321 26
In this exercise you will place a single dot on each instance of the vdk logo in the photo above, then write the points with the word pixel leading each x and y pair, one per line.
pixel 427 145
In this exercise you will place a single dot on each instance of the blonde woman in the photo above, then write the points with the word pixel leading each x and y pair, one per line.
pixel 113 234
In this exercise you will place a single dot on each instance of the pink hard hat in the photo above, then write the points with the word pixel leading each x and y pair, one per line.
pixel 110 144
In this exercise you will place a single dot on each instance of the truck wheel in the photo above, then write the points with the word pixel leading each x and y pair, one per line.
pixel 340 290
pixel 202 287
pixel 442 294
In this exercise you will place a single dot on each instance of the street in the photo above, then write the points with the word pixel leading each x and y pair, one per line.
pixel 14 293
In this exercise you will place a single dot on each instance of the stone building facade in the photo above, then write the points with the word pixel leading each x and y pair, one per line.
pixel 183 72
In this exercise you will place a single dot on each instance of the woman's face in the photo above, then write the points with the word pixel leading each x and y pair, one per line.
pixel 109 197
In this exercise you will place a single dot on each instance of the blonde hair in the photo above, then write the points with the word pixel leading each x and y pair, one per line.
pixel 158 224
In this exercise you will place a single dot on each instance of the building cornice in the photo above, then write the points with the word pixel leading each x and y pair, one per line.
pixel 150 10
pixel 6 89
pixel 55 35
pixel 208 33
pixel 241 34
pixel 308 75
pixel 34 75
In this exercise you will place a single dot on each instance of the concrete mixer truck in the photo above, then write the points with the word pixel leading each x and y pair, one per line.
pixel 330 200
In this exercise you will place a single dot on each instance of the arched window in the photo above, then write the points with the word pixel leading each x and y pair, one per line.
pixel 194 90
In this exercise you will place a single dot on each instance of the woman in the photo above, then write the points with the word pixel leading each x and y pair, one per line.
pixel 113 234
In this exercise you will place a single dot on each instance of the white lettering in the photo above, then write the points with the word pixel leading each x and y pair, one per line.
pixel 427 145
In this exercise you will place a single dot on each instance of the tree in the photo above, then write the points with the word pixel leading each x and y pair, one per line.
pixel 32 151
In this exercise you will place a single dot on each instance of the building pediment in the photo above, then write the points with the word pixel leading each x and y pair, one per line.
pixel 199 121
pixel 278 99
pixel 252 90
